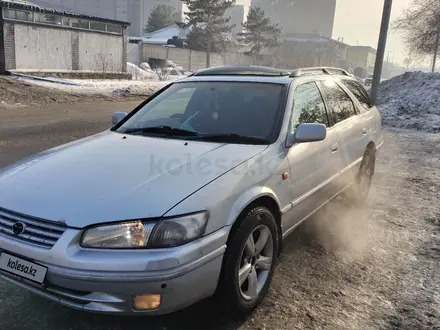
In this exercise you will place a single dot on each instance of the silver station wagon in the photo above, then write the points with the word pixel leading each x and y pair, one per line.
pixel 191 194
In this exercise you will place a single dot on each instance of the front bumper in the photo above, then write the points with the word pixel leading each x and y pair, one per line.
pixel 182 276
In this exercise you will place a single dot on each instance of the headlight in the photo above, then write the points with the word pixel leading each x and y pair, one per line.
pixel 168 232
pixel 178 231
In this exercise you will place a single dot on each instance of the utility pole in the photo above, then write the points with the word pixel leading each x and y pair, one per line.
pixel 381 48
pixel 2 43
pixel 437 44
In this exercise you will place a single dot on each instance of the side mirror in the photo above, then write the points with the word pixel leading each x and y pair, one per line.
pixel 117 117
pixel 309 133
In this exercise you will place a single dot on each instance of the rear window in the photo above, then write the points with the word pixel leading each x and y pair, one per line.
pixel 338 101
pixel 359 92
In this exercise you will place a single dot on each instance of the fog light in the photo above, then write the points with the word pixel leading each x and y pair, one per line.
pixel 143 302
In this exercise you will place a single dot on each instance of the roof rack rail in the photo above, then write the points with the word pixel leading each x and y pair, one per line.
pixel 323 69
pixel 245 70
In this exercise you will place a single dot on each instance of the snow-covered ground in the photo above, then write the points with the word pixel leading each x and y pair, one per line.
pixel 145 81
pixel 411 100
pixel 117 87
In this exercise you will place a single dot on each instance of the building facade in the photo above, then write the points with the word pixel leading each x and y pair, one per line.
pixel 238 15
pixel 361 57
pixel 110 9
pixel 139 11
pixel 301 16
pixel 36 38
pixel 134 11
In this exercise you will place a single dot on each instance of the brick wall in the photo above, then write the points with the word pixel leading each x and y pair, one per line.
pixel 9 35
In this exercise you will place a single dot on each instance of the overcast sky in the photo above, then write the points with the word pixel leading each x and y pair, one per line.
pixel 358 22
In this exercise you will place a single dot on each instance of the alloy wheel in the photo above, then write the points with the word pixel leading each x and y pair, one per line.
pixel 255 262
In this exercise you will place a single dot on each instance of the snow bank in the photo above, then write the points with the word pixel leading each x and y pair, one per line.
pixel 144 72
pixel 138 73
pixel 411 100
pixel 145 66
pixel 104 87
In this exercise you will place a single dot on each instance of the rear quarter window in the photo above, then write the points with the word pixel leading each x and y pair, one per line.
pixel 359 92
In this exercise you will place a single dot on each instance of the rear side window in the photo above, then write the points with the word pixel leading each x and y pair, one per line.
pixel 359 92
pixel 308 106
pixel 338 101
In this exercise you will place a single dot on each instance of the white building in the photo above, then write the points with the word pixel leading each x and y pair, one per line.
pixel 238 15
pixel 110 9
pixel 301 16
pixel 140 10
pixel 134 11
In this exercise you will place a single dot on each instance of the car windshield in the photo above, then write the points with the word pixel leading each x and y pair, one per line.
pixel 237 112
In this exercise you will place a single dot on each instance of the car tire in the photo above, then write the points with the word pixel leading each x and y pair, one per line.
pixel 362 184
pixel 249 261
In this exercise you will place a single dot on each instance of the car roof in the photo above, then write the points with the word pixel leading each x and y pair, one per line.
pixel 239 78
pixel 250 73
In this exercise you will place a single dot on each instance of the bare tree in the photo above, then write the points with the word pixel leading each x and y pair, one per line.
pixel 103 63
pixel 420 24
pixel 408 61
pixel 162 72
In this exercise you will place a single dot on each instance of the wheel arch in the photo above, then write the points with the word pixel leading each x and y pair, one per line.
pixel 272 205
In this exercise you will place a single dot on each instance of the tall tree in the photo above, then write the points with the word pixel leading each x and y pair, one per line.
pixel 161 16
pixel 259 32
pixel 207 25
pixel 421 27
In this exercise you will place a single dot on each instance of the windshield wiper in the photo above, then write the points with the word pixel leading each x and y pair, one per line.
pixel 164 130
pixel 231 138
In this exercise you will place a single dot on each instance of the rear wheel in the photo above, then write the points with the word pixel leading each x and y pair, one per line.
pixel 249 261
pixel 364 177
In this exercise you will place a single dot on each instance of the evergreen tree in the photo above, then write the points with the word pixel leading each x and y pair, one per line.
pixel 208 25
pixel 161 17
pixel 259 33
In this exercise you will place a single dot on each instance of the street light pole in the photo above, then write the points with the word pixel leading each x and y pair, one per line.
pixel 381 48
pixel 437 44
pixel 2 43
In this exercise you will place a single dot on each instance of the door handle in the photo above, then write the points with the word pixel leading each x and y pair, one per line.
pixel 334 147
pixel 364 131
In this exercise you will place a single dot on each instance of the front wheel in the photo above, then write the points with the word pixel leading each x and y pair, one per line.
pixel 249 261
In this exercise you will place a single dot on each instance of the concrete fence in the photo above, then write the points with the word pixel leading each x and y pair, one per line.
pixel 134 53
pixel 191 60
pixel 40 39
pixel 32 46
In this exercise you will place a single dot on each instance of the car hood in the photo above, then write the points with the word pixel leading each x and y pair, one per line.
pixel 112 177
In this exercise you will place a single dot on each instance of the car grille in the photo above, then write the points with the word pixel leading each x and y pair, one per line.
pixel 41 233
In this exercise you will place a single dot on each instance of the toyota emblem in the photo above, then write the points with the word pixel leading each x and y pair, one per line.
pixel 18 228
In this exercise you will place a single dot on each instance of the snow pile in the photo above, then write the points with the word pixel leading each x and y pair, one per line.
pixel 138 73
pixel 145 66
pixel 144 72
pixel 171 64
pixel 411 100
